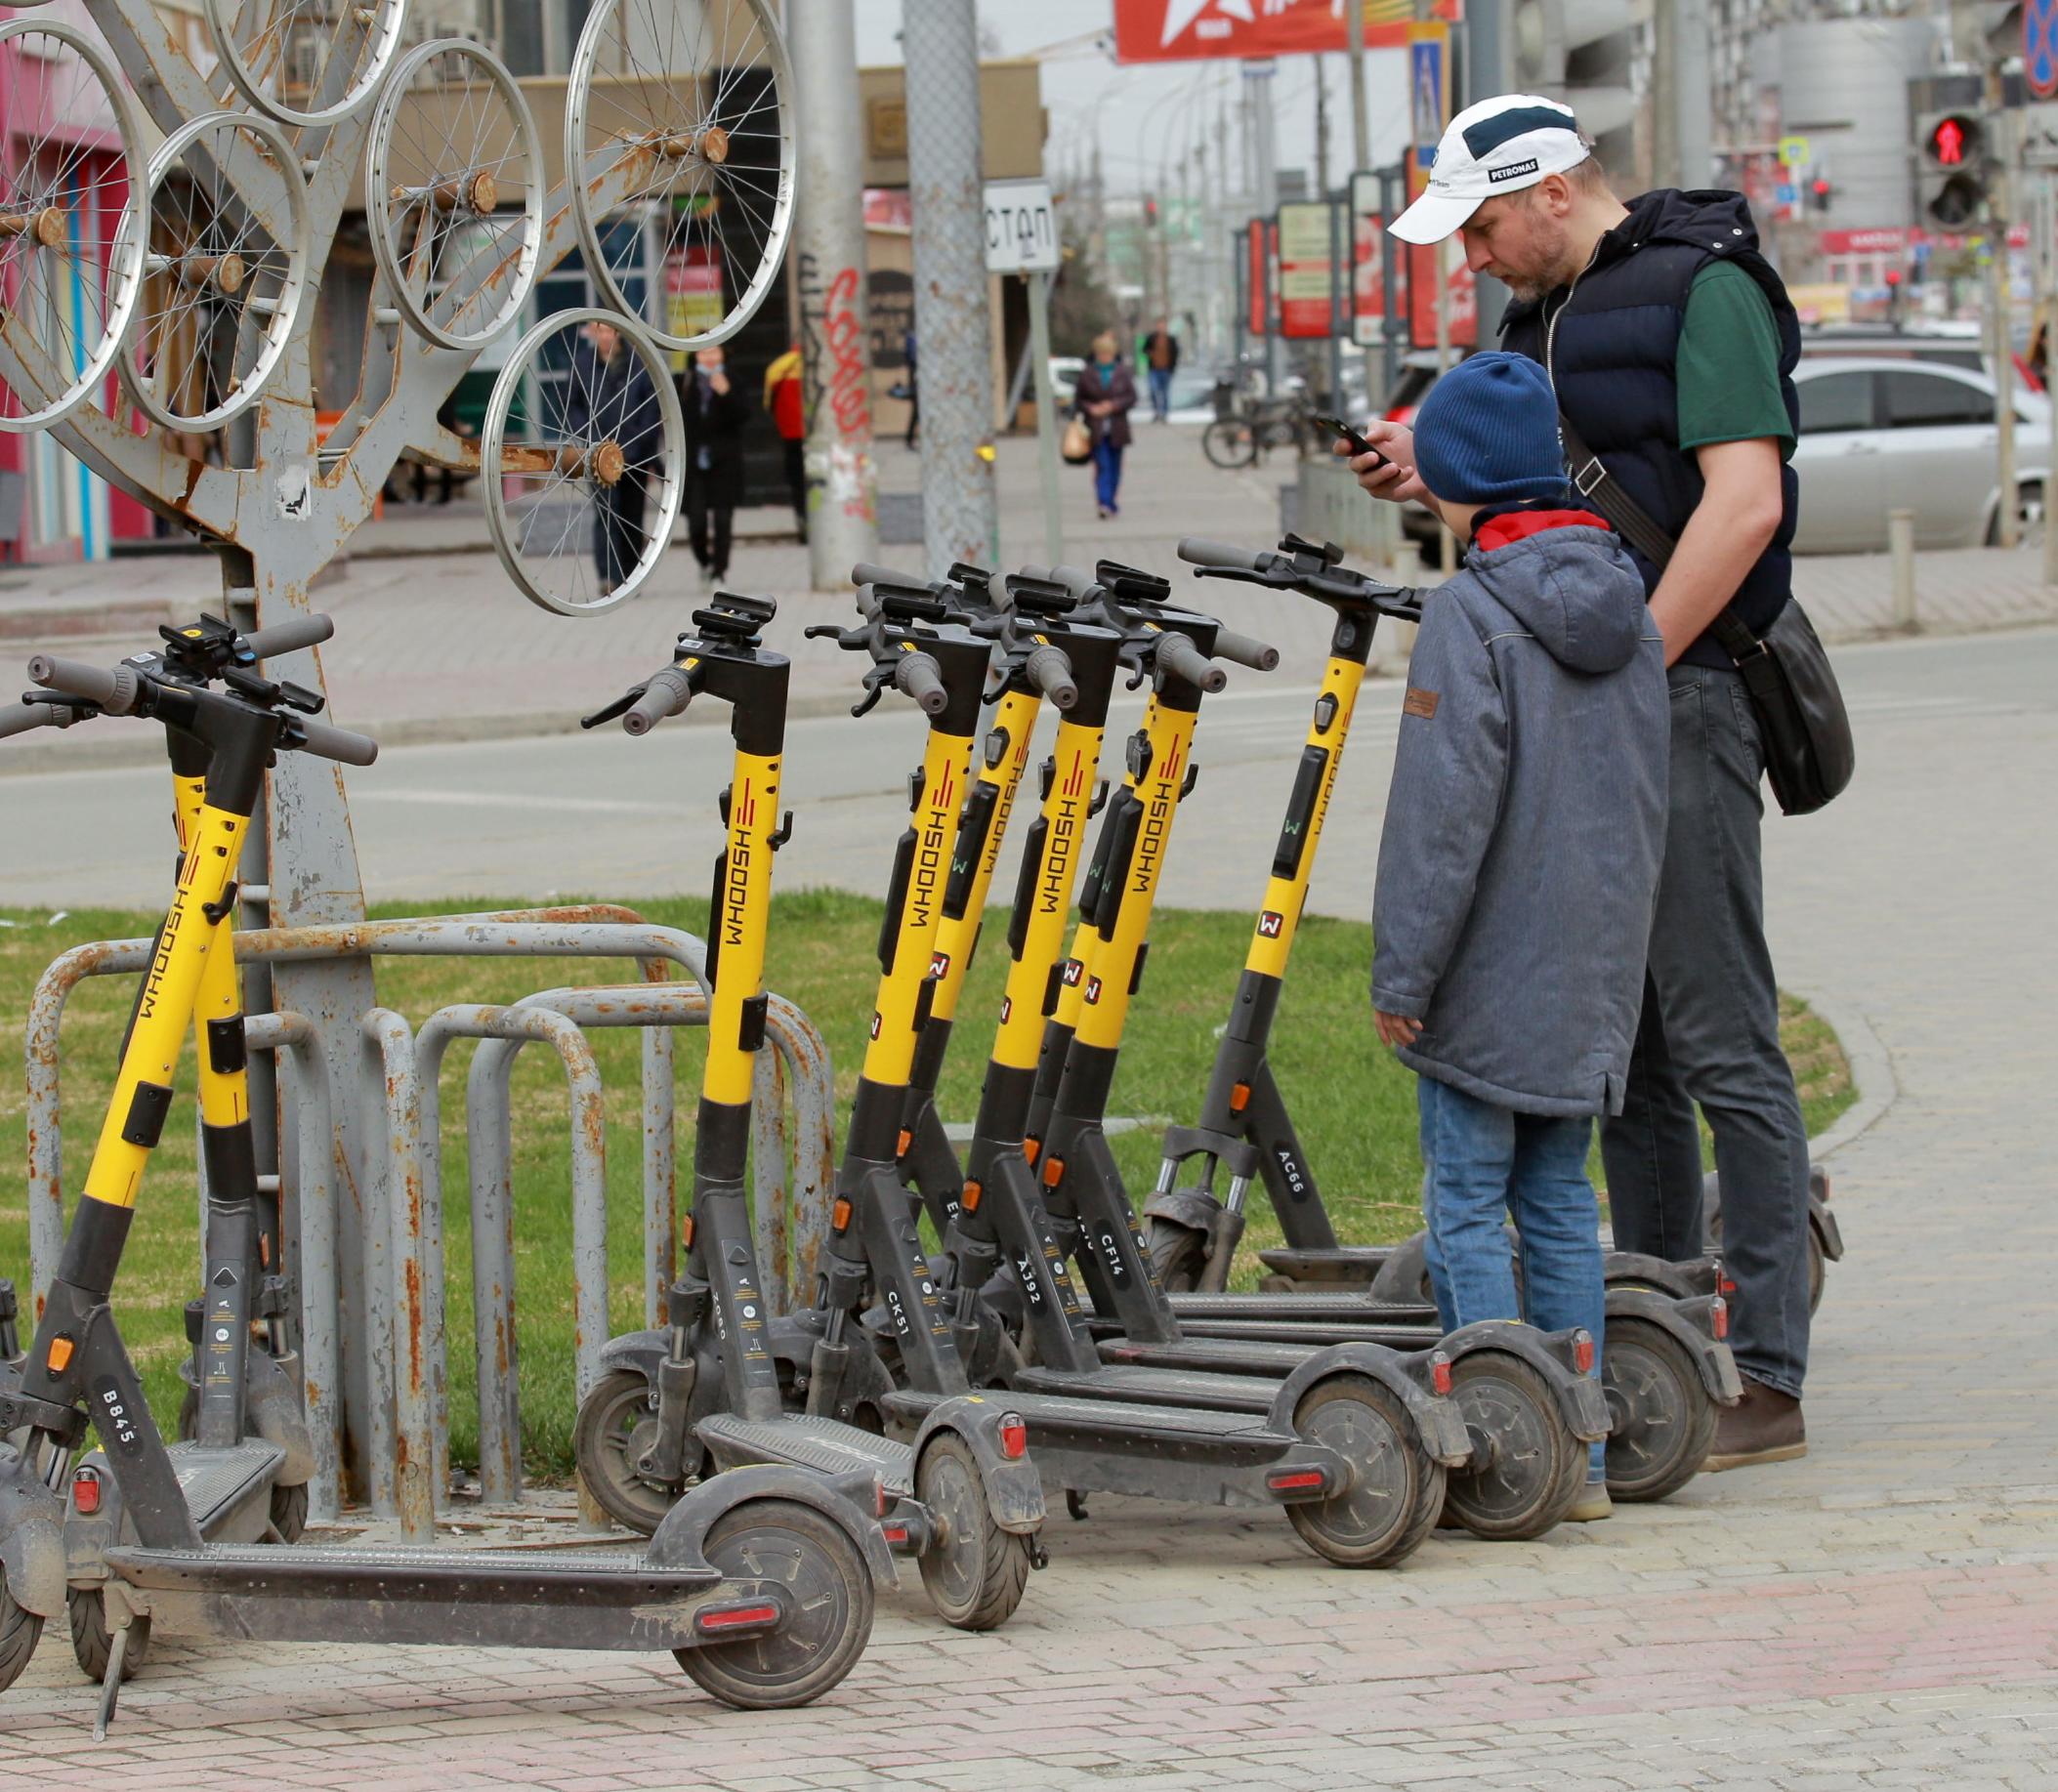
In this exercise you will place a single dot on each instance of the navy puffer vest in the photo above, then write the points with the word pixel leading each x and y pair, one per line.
pixel 1611 345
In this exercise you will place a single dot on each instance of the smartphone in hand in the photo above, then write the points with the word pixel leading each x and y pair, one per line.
pixel 1343 432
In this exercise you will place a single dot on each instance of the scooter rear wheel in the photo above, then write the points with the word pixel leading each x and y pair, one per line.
pixel 1178 1253
pixel 975 1572
pixel 20 1630
pixel 1527 1468
pixel 1662 1419
pixel 93 1642
pixel 606 1445
pixel 1382 1520
pixel 809 1555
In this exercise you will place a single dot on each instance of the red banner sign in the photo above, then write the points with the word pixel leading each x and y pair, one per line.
pixel 1178 31
pixel 1305 300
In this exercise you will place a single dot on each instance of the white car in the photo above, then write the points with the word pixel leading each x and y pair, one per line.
pixel 1879 435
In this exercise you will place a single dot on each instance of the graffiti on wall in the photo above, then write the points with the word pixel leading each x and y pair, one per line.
pixel 836 386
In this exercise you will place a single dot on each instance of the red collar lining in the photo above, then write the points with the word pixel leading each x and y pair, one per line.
pixel 1517 524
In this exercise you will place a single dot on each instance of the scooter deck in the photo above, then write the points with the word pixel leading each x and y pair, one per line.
pixel 1346 1264
pixel 808 1442
pixel 1077 1422
pixel 300 1594
pixel 218 1480
pixel 1301 1335
pixel 1216 1359
pixel 1172 1383
pixel 1343 1308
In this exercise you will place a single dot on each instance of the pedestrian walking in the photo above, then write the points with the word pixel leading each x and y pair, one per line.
pixel 1670 344
pixel 784 400
pixel 609 398
pixel 1162 359
pixel 915 391
pixel 1519 857
pixel 715 414
pixel 1105 396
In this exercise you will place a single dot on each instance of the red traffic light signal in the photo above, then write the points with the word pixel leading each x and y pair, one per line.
pixel 1953 140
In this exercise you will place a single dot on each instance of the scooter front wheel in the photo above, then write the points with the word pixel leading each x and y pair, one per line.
pixel 828 1590
pixel 975 1571
pixel 616 1423
pixel 20 1630
pixel 93 1641
pixel 1393 1502
pixel 1661 1419
pixel 1527 1469
pixel 1178 1253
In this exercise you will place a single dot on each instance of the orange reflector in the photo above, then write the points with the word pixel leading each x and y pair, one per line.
pixel 736 1617
pixel 1718 1317
pixel 1053 1172
pixel 901 1143
pixel 840 1215
pixel 880 1502
pixel 685 1232
pixel 60 1349
pixel 1295 1481
pixel 85 1491
pixel 1014 1435
pixel 1032 1149
pixel 1439 1373
pixel 1240 1098
pixel 1582 1351
pixel 968 1200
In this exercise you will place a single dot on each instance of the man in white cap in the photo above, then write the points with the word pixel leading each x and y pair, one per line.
pixel 1669 342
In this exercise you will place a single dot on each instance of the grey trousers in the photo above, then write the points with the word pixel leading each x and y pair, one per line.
pixel 1709 1037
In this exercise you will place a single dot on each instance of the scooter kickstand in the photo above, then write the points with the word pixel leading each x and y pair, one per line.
pixel 110 1685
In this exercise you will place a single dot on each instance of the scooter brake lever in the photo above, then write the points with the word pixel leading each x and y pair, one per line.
pixel 619 707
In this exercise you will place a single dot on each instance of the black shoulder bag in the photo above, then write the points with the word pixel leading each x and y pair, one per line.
pixel 1809 753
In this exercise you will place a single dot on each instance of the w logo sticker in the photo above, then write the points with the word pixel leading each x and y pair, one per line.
pixel 1074 971
pixel 938 964
pixel 875 1023
pixel 1093 990
pixel 1270 924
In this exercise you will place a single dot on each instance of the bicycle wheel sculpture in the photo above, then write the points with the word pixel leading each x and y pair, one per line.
pixel 306 62
pixel 582 458
pixel 68 244
pixel 679 149
pixel 224 269
pixel 453 184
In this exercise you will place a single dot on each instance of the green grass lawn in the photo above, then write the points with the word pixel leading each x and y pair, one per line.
pixel 1353 1103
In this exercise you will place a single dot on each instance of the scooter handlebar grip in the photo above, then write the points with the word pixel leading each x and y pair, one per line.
pixel 1176 653
pixel 918 676
pixel 112 688
pixel 1074 579
pixel 666 694
pixel 1050 670
pixel 19 718
pixel 290 637
pixel 1198 551
pixel 1243 650
pixel 338 743
pixel 869 572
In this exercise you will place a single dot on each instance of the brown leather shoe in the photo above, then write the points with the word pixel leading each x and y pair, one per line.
pixel 1764 1426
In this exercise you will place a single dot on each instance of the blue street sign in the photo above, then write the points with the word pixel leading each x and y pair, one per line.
pixel 1918 253
pixel 2039 46
pixel 1785 193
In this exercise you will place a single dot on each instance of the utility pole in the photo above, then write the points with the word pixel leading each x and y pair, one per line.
pixel 1258 110
pixel 1486 69
pixel 1361 127
pixel 835 327
pixel 940 43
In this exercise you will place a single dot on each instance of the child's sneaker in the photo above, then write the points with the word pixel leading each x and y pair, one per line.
pixel 1592 1504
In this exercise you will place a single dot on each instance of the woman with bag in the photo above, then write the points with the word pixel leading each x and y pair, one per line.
pixel 1103 399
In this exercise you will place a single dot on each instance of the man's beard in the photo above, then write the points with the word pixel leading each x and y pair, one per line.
pixel 1551 246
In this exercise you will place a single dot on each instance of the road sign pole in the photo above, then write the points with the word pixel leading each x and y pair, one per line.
pixel 1046 417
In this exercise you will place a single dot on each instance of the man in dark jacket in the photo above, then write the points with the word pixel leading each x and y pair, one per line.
pixel 1671 343
pixel 715 414
pixel 609 398
pixel 1161 358
pixel 1520 854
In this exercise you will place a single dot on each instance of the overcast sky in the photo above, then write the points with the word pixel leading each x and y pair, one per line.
pixel 1149 112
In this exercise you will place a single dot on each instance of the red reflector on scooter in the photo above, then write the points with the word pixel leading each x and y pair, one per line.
pixel 1295 1481
pixel 1014 1435
pixel 894 1534
pixel 85 1491
pixel 1439 1373
pixel 880 1500
pixel 725 1618
pixel 1582 1351
pixel 1718 1317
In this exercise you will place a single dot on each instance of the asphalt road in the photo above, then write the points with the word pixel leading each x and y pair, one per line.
pixel 604 815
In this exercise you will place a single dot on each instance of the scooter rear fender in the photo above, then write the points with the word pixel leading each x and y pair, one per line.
pixel 850 1501
pixel 1014 1487
pixel 1411 1378
pixel 32 1537
pixel 1580 1403
pixel 1693 1324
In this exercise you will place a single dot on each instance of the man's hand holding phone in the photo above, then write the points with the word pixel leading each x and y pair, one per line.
pixel 1389 470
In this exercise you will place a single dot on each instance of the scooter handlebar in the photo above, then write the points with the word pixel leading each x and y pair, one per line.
pixel 666 694
pixel 918 676
pixel 19 718
pixel 338 743
pixel 1050 670
pixel 290 636
pixel 1243 650
pixel 1177 655
pixel 1198 551
pixel 112 688
pixel 1074 579
pixel 868 572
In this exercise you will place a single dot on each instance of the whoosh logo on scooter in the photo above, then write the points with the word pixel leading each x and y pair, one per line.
pixel 1057 854
pixel 928 855
pixel 736 887
pixel 147 1007
pixel 1157 822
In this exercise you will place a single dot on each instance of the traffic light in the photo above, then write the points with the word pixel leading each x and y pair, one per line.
pixel 1953 167
pixel 1819 191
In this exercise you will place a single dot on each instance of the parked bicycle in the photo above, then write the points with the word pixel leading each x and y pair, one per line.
pixel 1252 427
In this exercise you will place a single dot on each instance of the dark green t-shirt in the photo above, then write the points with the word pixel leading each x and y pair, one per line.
pixel 1728 365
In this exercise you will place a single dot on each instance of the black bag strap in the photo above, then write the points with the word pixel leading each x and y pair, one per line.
pixel 1592 481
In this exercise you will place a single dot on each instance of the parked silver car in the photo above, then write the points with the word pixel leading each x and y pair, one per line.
pixel 1881 434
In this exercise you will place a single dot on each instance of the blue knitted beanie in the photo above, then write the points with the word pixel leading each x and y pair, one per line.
pixel 1488 433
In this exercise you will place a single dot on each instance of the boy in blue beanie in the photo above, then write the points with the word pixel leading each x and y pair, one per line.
pixel 1519 862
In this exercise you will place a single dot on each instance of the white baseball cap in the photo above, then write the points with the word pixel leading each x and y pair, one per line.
pixel 1500 145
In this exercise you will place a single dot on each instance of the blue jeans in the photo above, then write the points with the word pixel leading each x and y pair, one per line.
pixel 1483 1165
pixel 1107 472
pixel 1161 393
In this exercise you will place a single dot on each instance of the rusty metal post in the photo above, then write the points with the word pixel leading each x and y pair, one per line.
pixel 661 1172
pixel 390 1199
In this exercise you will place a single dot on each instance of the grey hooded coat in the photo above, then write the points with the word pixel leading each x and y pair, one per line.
pixel 1525 825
